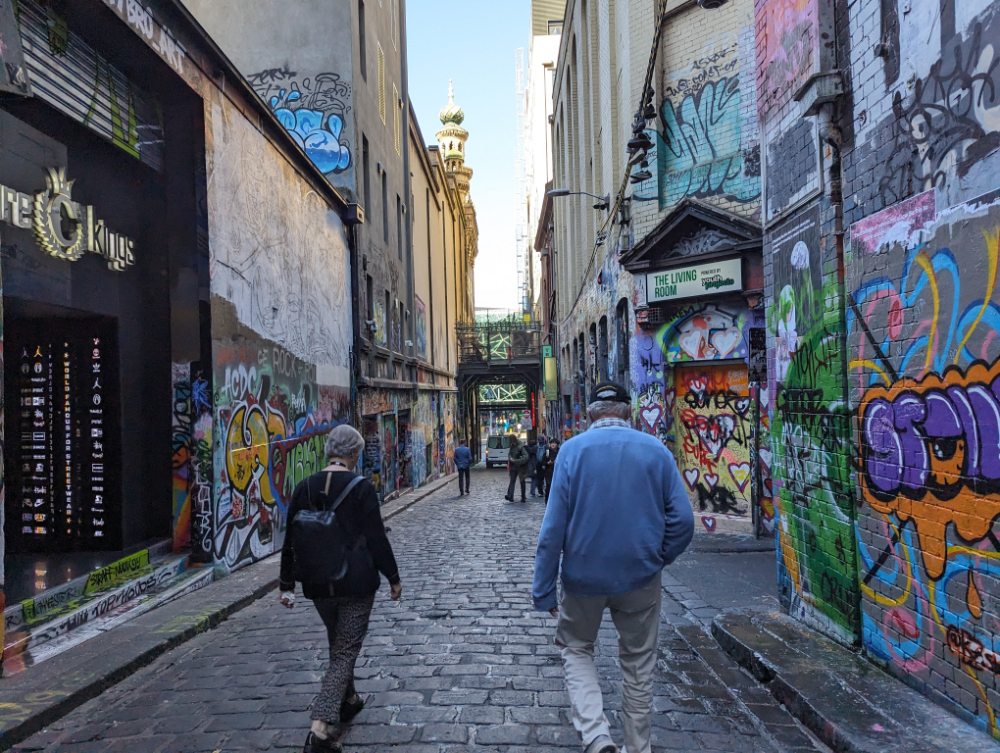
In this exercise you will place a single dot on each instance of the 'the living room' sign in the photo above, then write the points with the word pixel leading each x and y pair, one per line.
pixel 61 227
pixel 695 280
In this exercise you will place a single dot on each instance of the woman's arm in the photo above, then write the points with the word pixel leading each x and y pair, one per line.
pixel 286 581
pixel 374 532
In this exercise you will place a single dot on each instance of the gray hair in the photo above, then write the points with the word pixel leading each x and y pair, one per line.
pixel 609 409
pixel 344 442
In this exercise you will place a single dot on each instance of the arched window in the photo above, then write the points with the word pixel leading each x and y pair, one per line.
pixel 622 339
pixel 602 350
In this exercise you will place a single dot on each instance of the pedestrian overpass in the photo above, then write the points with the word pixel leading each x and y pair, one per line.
pixel 499 369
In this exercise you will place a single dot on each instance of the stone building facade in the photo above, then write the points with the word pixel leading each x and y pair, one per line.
pixel 336 76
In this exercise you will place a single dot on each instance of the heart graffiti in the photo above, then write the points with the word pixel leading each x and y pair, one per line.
pixel 651 416
pixel 715 432
pixel 741 474
pixel 712 479
pixel 691 476
pixel 725 342
pixel 709 523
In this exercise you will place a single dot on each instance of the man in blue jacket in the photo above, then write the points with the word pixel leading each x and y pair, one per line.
pixel 617 514
pixel 463 461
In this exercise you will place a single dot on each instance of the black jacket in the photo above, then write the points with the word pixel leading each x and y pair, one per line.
pixel 548 461
pixel 361 515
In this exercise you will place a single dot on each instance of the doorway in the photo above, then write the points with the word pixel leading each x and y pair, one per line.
pixel 714 420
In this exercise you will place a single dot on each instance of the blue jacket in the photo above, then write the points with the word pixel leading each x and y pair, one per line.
pixel 463 457
pixel 617 513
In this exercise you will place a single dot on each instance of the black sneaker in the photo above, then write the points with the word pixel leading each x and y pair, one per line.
pixel 350 708
pixel 316 745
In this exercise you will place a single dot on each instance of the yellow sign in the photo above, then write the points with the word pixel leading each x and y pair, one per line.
pixel 551 379
pixel 61 227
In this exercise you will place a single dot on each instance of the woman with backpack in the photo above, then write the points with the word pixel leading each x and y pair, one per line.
pixel 336 547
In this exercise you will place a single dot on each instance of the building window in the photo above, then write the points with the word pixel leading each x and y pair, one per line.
pixel 399 225
pixel 387 337
pixel 555 28
pixel 362 49
pixel 385 207
pixel 602 349
pixel 392 21
pixel 381 84
pixel 622 339
pixel 370 298
pixel 367 168
pixel 397 118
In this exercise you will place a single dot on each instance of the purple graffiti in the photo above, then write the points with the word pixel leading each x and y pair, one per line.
pixel 939 435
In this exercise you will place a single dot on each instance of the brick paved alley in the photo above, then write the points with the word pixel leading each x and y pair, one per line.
pixel 462 663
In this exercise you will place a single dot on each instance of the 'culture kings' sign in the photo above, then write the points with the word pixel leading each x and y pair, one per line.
pixel 695 280
pixel 61 227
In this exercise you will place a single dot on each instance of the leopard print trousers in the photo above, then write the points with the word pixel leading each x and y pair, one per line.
pixel 346 620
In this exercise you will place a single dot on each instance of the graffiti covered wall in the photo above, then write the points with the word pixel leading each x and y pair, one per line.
pixel 809 429
pixel 710 148
pixel 925 386
pixel 313 109
pixel 715 433
pixel 272 418
pixel 281 334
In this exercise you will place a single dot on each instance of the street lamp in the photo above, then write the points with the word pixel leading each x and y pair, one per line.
pixel 603 202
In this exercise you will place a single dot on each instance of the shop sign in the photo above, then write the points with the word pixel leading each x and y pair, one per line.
pixel 61 227
pixel 695 280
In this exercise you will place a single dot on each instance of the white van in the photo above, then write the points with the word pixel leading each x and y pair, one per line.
pixel 497 450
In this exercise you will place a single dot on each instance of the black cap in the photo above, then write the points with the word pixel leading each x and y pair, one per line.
pixel 611 392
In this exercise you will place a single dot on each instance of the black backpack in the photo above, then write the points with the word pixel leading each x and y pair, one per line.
pixel 322 543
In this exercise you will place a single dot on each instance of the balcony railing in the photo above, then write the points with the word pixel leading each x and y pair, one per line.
pixel 499 343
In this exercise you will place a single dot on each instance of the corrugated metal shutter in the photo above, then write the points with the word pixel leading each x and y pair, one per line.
pixel 71 76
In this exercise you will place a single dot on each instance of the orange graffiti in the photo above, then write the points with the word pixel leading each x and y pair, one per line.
pixel 931 454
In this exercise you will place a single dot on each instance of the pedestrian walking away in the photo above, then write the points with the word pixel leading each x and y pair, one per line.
pixel 617 515
pixel 547 465
pixel 345 600
pixel 517 463
pixel 463 462
pixel 532 449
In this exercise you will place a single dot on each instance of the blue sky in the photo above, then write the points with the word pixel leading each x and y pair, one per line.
pixel 474 43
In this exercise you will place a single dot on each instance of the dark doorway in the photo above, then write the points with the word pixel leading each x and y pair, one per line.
pixel 63 430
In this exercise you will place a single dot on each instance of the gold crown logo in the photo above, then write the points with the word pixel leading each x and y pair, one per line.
pixel 53 214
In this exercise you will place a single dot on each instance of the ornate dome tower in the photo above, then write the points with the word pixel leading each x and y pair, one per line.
pixel 452 138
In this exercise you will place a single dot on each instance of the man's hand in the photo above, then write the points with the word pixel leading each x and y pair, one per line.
pixel 397 591
pixel 287 599
pixel 554 612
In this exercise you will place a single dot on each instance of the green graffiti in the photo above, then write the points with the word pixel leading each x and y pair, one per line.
pixel 810 431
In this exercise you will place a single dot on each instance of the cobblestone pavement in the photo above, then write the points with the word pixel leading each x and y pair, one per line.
pixel 461 664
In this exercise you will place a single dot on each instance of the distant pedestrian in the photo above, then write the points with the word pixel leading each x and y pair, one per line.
pixel 353 538
pixel 538 475
pixel 617 514
pixel 463 462
pixel 547 465
pixel 532 449
pixel 517 463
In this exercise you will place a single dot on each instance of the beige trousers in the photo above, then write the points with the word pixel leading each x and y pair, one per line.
pixel 637 618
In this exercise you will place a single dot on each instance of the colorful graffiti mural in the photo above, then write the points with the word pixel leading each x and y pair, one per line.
pixel 810 431
pixel 313 109
pixel 713 416
pixel 924 329
pixel 181 454
pixel 708 332
pixel 270 436
pixel 702 151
